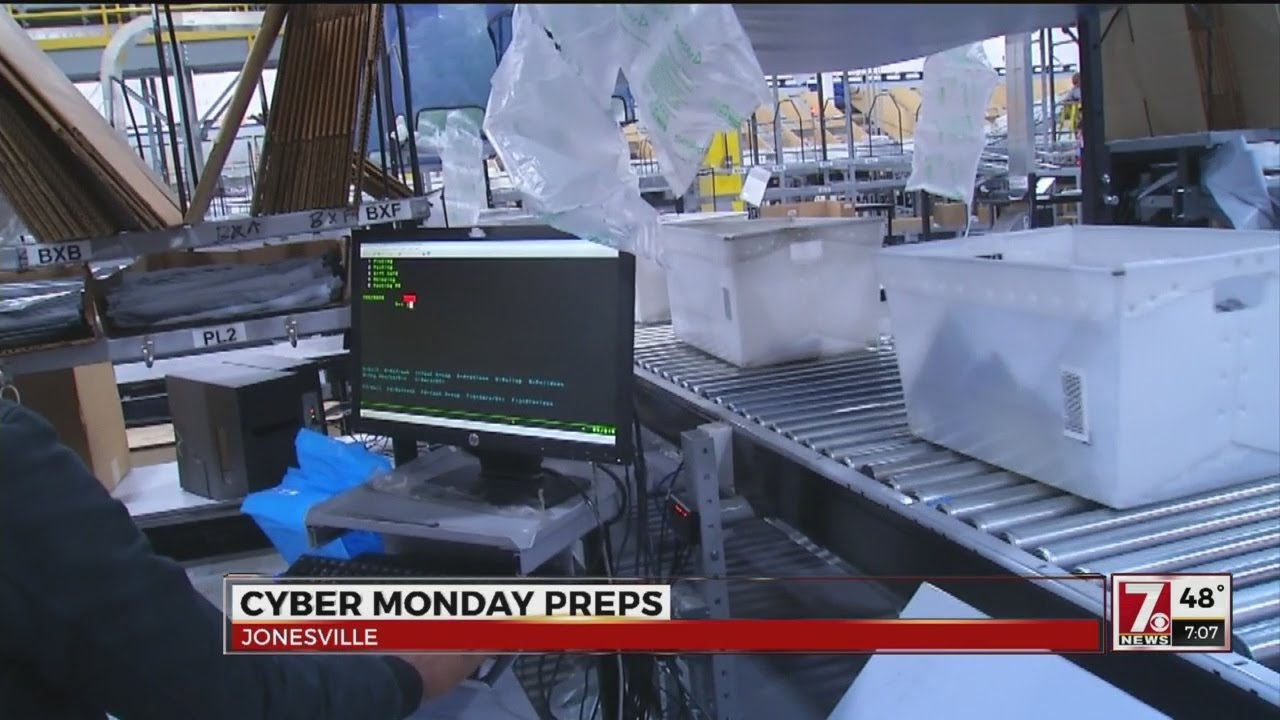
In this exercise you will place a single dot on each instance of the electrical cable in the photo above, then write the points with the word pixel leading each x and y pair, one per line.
pixel 644 554
pixel 605 552
pixel 586 689
pixel 665 488
pixel 543 687
pixel 180 83
pixel 623 491
pixel 629 526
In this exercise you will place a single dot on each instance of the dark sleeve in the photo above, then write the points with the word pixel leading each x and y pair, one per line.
pixel 91 610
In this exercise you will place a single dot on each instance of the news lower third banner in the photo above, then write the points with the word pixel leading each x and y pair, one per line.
pixel 811 615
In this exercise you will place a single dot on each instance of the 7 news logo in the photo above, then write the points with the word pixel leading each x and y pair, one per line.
pixel 1186 612
pixel 1144 614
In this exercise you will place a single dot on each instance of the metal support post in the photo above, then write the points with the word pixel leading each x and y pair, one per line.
pixel 1021 110
pixel 1097 203
pixel 778 156
pixel 848 123
pixel 822 123
pixel 193 128
pixel 405 450
pixel 410 116
pixel 705 467
pixel 924 208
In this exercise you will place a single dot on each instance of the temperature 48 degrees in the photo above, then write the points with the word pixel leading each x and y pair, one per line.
pixel 1203 599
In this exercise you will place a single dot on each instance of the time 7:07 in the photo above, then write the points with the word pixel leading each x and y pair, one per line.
pixel 1204 632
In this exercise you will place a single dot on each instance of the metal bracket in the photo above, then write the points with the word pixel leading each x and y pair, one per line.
pixel 704 464
pixel 148 351
pixel 7 388
pixel 291 331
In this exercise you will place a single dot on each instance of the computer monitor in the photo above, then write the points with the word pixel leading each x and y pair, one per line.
pixel 512 343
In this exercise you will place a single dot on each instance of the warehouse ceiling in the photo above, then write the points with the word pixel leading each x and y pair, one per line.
pixel 806 38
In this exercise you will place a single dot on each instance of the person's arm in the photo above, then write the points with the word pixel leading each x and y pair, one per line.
pixel 90 610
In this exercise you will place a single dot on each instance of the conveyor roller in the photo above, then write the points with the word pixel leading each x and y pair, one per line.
pixel 851 410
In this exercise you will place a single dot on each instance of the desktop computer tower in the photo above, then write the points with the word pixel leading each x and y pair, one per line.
pixel 305 369
pixel 235 426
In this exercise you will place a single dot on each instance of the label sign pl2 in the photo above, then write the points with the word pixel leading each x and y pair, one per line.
pixel 215 336
pixel 72 252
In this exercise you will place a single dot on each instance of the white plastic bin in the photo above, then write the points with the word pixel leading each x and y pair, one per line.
pixel 652 303
pixel 766 291
pixel 1126 365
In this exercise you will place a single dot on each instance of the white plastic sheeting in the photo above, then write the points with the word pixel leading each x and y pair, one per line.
pixel 951 134
pixel 462 163
pixel 691 69
pixel 1234 176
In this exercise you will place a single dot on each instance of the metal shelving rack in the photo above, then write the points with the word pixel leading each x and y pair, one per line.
pixel 205 235
pixel 178 342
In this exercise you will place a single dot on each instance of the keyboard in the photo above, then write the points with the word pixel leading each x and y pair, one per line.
pixel 386 566
pixel 370 566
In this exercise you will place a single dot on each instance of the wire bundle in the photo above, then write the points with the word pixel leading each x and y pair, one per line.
pixel 641 687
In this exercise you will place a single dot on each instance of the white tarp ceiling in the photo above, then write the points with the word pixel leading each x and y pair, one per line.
pixel 804 38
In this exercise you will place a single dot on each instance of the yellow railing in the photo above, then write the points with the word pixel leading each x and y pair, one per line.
pixel 104 15
pixel 108 18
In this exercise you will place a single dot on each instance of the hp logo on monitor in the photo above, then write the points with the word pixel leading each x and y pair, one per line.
pixel 473 440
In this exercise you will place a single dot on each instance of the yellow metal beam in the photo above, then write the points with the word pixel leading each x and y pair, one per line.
pixel 96 42
pixel 107 14
pixel 109 18
pixel 725 158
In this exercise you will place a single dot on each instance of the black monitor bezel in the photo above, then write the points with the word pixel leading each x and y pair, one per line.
pixel 485 441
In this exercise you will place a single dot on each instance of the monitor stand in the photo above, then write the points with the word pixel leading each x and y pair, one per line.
pixel 510 480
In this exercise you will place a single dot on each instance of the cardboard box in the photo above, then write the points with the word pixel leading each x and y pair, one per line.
pixel 90 332
pixel 98 289
pixel 904 226
pixel 1158 77
pixel 83 405
pixel 949 215
pixel 813 208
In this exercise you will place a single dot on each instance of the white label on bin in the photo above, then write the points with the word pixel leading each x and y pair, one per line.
pixel 223 335
pixel 59 254
pixel 806 251
pixel 1075 408
pixel 754 186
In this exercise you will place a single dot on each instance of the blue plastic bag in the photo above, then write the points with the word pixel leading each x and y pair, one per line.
pixel 326 468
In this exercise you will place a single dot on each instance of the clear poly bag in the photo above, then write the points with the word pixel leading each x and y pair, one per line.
pixel 951 134
pixel 463 167
pixel 692 71
pixel 563 149
pixel 588 37
pixel 1233 176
